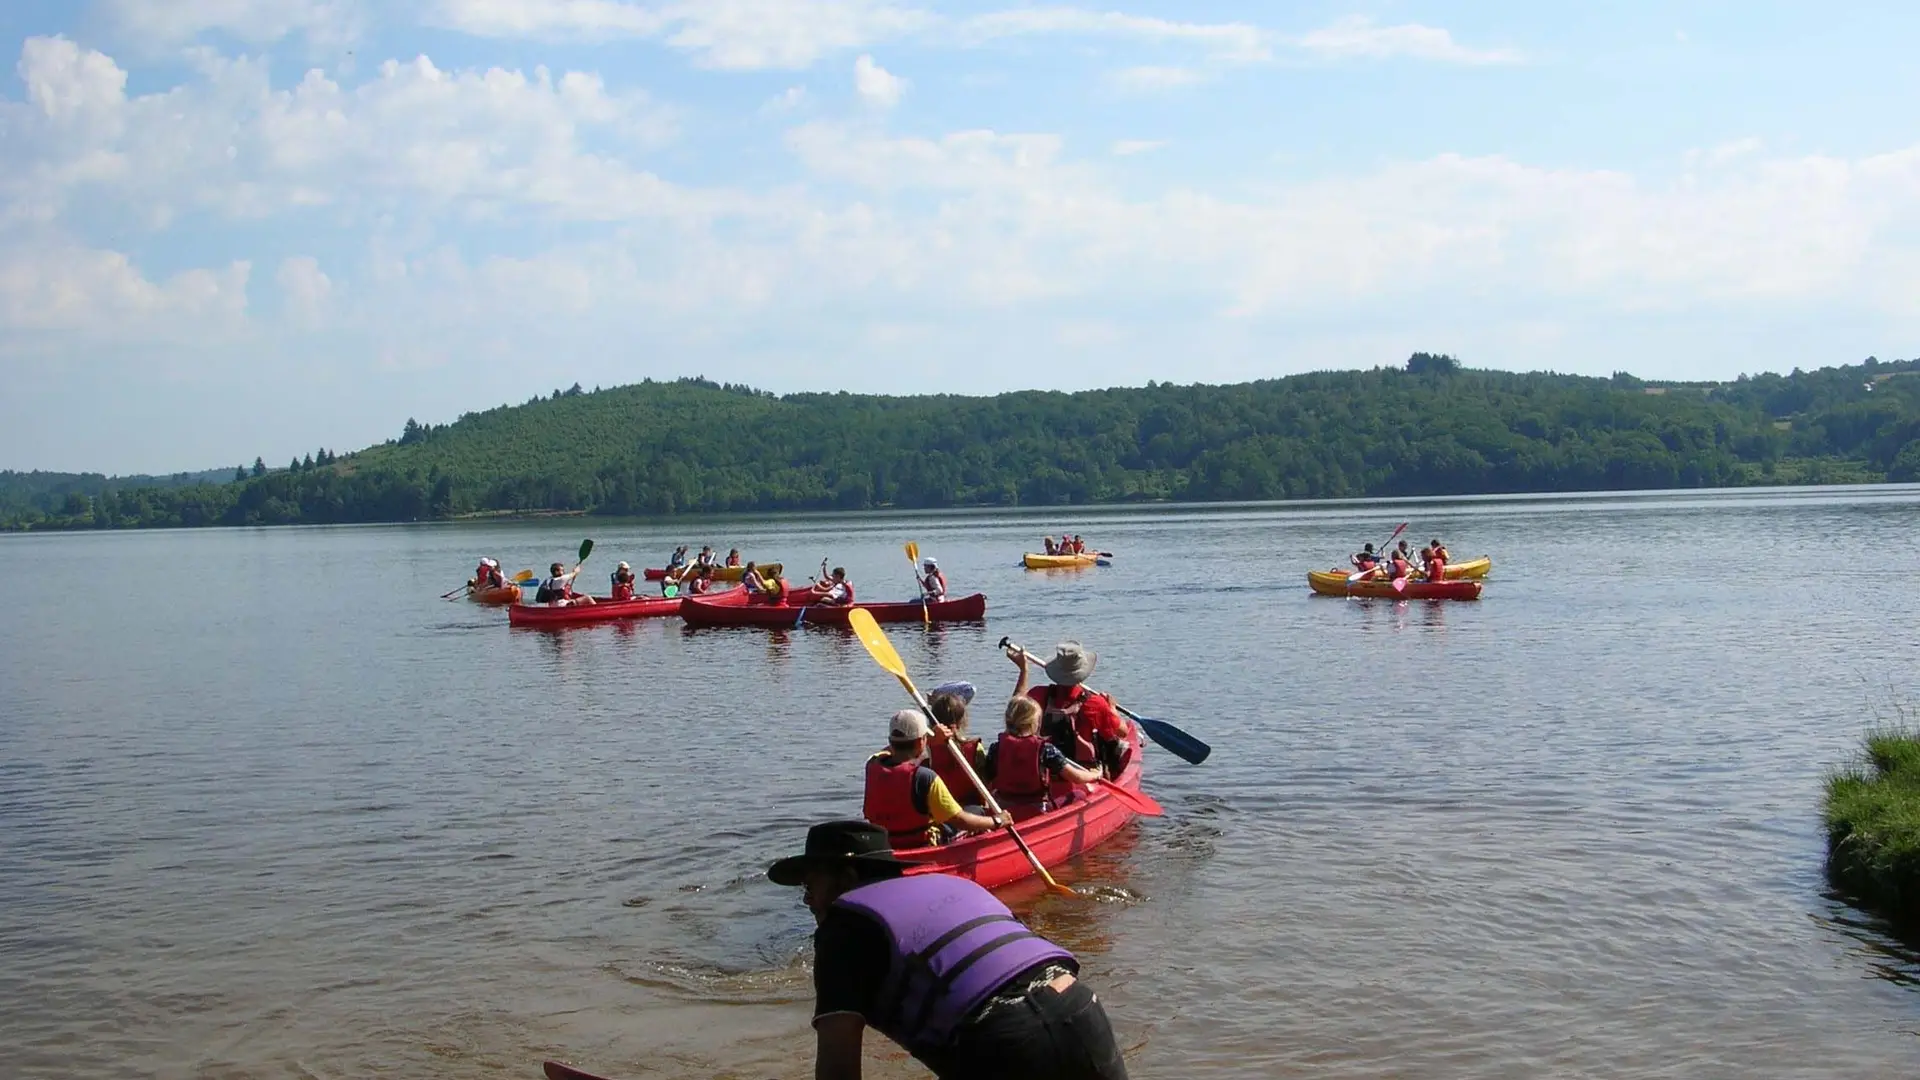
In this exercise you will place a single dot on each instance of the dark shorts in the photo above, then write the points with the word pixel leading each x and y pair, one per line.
pixel 1045 1035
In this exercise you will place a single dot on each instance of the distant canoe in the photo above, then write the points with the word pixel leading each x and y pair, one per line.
pixel 732 609
pixel 1058 562
pixel 723 573
pixel 505 594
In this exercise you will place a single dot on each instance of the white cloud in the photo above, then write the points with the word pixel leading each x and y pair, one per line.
pixel 305 291
pixel 164 23
pixel 1230 42
pixel 1152 78
pixel 724 34
pixel 1360 37
pixel 51 284
pixel 876 85
pixel 1131 147
pixel 786 100
pixel 230 143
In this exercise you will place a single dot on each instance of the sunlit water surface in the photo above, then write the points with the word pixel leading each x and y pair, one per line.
pixel 270 809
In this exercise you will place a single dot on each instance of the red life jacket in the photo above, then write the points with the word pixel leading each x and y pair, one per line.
pixel 1436 567
pixel 1062 718
pixel 1399 567
pixel 1020 781
pixel 889 802
pixel 623 590
pixel 951 774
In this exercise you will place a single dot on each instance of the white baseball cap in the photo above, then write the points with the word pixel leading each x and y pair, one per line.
pixel 908 725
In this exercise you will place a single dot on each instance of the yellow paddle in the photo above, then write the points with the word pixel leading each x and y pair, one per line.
pixel 883 654
pixel 913 560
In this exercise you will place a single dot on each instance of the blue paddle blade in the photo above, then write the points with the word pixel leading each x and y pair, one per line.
pixel 1177 742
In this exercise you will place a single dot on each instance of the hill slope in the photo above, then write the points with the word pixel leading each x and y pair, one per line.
pixel 1430 428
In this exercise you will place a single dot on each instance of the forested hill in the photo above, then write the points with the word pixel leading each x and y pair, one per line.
pixel 1427 428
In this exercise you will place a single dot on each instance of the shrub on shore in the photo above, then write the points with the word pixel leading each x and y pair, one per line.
pixel 1873 826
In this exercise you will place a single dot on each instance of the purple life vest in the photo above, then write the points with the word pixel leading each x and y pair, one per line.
pixel 953 946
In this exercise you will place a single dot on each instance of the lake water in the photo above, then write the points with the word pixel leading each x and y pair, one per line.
pixel 268 808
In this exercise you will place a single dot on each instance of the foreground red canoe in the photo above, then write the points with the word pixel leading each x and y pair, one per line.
pixel 993 859
pixel 731 609
pixel 1334 583
pixel 603 609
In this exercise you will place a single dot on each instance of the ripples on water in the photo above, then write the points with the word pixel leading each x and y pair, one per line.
pixel 1569 830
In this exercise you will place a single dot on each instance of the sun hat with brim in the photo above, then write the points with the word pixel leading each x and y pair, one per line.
pixel 962 690
pixel 1071 664
pixel 859 844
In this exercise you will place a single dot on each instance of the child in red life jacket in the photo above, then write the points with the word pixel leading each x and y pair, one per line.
pixel 949 704
pixel 1025 769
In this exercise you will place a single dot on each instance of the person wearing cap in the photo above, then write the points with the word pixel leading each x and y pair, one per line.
pixel 933 583
pixel 938 965
pixel 1081 723
pixel 905 796
pixel 557 589
pixel 623 582
pixel 488 575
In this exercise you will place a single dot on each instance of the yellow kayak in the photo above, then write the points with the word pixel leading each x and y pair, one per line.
pixel 1471 570
pixel 1054 562
pixel 722 573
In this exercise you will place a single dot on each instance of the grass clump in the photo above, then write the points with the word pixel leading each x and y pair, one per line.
pixel 1873 826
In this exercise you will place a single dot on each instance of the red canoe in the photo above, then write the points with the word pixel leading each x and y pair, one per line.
pixel 993 859
pixel 603 609
pixel 731 609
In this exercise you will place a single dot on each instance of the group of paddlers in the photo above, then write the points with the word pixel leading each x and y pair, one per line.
pixel 1068 545
pixel 933 961
pixel 1057 738
pixel 1398 562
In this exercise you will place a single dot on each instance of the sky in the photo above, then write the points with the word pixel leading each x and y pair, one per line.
pixel 232 228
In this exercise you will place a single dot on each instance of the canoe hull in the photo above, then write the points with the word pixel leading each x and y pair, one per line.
pixel 1058 562
pixel 992 860
pixel 1334 583
pixel 505 594
pixel 603 609
pixel 1471 570
pixel 730 609
pixel 720 573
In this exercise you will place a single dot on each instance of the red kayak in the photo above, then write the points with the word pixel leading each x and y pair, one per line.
pixel 603 609
pixel 1335 583
pixel 732 609
pixel 992 859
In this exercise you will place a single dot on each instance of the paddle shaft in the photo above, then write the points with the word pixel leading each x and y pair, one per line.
pixel 1357 575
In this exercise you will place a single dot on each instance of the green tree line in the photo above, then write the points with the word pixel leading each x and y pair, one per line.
pixel 1429 427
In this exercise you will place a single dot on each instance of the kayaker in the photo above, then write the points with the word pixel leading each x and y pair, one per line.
pixel 1366 560
pixel 762 589
pixel 905 796
pixel 949 704
pixel 1022 766
pixel 1398 566
pixel 1082 724
pixel 488 575
pixel 678 558
pixel 1048 541
pixel 1079 545
pixel 1436 561
pixel 733 557
pixel 933 583
pixel 834 591
pixel 1010 1007
pixel 623 582
pixel 704 559
pixel 557 590
pixel 702 582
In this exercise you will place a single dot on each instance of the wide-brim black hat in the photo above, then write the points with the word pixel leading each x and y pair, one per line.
pixel 838 843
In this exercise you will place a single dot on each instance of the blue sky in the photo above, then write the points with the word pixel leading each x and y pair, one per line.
pixel 240 227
